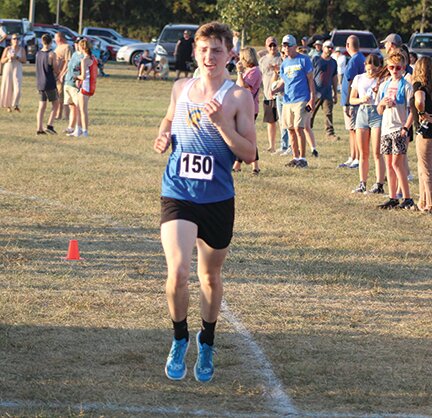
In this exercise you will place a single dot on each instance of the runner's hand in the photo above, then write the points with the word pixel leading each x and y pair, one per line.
pixel 162 142
pixel 213 109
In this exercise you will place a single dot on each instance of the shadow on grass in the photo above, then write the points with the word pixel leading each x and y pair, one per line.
pixel 84 365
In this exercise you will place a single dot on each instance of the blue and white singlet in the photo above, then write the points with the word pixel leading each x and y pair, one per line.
pixel 199 167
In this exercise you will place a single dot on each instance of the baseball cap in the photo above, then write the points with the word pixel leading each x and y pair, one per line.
pixel 328 43
pixel 290 40
pixel 78 38
pixel 305 38
pixel 271 40
pixel 318 42
pixel 393 38
pixel 337 49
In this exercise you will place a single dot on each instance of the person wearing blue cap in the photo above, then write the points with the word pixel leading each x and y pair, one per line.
pixel 296 81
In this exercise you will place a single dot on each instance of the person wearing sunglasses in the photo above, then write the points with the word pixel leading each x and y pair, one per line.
pixel 12 59
pixel 394 97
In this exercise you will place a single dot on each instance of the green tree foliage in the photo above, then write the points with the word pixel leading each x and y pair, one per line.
pixel 250 17
pixel 257 19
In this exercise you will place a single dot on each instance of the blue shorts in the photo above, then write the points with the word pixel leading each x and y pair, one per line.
pixel 368 117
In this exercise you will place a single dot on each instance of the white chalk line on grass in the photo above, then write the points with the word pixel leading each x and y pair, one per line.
pixel 280 402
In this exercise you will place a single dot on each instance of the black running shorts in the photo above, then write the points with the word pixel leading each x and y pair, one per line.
pixel 215 221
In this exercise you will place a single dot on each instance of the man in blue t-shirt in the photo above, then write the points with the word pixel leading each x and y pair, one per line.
pixel 355 66
pixel 299 97
pixel 325 78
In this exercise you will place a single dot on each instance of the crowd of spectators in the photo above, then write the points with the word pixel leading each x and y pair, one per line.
pixel 383 103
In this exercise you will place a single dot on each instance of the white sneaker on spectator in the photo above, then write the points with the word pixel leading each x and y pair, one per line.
pixel 354 164
pixel 347 163
pixel 286 152
pixel 77 133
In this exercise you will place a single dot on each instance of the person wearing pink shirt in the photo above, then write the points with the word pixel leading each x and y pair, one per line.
pixel 249 76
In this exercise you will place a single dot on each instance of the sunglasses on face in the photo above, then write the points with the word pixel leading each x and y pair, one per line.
pixel 272 46
pixel 15 39
pixel 329 47
pixel 394 67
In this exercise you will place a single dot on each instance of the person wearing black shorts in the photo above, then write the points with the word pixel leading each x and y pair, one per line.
pixel 46 68
pixel 209 122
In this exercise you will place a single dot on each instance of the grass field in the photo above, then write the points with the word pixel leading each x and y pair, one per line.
pixel 328 301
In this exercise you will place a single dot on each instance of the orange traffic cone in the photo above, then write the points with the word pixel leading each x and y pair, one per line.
pixel 73 251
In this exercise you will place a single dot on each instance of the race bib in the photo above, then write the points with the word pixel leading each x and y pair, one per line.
pixel 196 166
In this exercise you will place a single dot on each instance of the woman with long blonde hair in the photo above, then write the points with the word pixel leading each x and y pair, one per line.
pixel 422 84
pixel 249 76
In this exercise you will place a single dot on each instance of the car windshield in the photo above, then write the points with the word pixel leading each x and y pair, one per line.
pixel 172 35
pixel 422 42
pixel 366 40
pixel 12 27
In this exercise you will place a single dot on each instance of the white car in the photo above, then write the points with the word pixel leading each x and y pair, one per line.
pixel 131 53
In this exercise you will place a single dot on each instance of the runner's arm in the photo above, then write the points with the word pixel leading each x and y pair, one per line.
pixel 163 140
pixel 239 134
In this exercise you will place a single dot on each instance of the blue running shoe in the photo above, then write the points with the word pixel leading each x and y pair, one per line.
pixel 204 368
pixel 175 368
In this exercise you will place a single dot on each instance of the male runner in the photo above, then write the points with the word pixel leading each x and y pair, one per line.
pixel 209 122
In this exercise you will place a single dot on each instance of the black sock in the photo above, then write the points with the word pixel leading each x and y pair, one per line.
pixel 207 332
pixel 181 330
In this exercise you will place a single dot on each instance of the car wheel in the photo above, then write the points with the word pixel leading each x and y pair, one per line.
pixel 135 58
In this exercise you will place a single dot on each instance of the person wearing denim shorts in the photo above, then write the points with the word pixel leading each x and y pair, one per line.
pixel 394 96
pixel 368 124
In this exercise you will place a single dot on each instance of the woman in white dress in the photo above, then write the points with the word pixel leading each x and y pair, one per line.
pixel 13 58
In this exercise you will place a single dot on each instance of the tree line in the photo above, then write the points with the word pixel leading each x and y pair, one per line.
pixel 143 19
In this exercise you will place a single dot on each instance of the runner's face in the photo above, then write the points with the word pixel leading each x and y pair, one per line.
pixel 211 55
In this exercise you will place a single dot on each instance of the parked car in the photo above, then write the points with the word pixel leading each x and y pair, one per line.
pixel 110 33
pixel 131 53
pixel 109 45
pixel 421 44
pixel 167 40
pixel 69 34
pixel 28 38
pixel 42 31
pixel 368 42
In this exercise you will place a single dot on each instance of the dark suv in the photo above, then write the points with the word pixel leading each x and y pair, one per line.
pixel 168 38
pixel 23 28
pixel 368 42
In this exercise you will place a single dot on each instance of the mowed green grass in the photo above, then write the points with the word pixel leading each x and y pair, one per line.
pixel 336 293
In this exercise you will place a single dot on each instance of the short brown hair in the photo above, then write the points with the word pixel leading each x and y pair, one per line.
pixel 46 39
pixel 216 30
